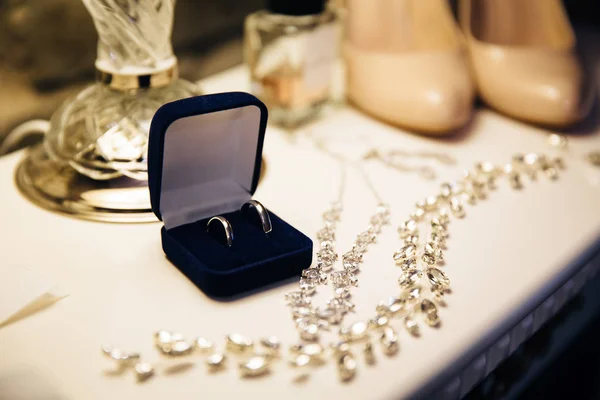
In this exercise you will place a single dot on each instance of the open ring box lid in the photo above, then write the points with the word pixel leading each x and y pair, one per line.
pixel 204 160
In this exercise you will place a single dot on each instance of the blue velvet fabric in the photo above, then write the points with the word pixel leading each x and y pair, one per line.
pixel 255 260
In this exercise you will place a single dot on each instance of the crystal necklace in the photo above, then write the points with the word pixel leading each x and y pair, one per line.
pixel 423 284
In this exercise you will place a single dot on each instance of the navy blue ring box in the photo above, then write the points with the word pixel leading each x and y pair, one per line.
pixel 204 159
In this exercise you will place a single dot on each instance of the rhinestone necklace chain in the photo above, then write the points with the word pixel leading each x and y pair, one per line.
pixel 423 283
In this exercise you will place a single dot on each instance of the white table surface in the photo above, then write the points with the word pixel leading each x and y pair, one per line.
pixel 510 252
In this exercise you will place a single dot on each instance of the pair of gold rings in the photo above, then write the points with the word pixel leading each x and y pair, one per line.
pixel 263 215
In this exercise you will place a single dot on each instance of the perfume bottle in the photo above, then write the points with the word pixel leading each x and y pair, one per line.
pixel 290 49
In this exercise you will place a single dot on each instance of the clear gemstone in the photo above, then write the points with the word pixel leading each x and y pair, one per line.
pixel 341 347
pixel 379 219
pixel 410 278
pixel 412 326
pixel 360 247
pixel 342 293
pixel 429 248
pixel 430 313
pixel 446 190
pixel 457 208
pixel 178 348
pixel 351 261
pixel 309 332
pixel 383 209
pixel 389 340
pixel 366 237
pixel 272 343
pixel 326 234
pixel 238 343
pixel 406 252
pixel 343 279
pixel 551 173
pixel 297 298
pixel 407 228
pixel 355 332
pixel 312 274
pixel 428 258
pixel 162 337
pixel 307 285
pixel 216 361
pixel 331 215
pixel 143 371
pixel 341 304
pixel 438 240
pixel 312 350
pixel 120 355
pixel 333 316
pixel 437 277
pixel 558 141
pixel 431 203
pixel 412 239
pixel 408 264
pixel 379 321
pixel 255 366
pixel 203 345
pixel 414 294
pixel 346 367
pixel 324 265
pixel 417 214
pixel 300 361
pixel 393 306
pixel 327 254
pixel 369 354
pixel 301 312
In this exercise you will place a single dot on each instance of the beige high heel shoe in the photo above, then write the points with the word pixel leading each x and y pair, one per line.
pixel 523 58
pixel 405 64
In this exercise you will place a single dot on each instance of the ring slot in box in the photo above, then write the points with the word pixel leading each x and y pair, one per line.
pixel 204 160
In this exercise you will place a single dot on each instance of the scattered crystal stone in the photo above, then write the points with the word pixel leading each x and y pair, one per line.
pixel 271 343
pixel 346 367
pixel 389 340
pixel 559 163
pixel 324 265
pixel 406 252
pixel 429 248
pixel 412 326
pixel 203 345
pixel 439 255
pixel 216 361
pixel 407 228
pixel 360 247
pixel 238 343
pixel 438 278
pixel 340 347
pixel 430 313
pixel 143 371
pixel 379 321
pixel 255 366
pixel 300 361
pixel 331 215
pixel 179 348
pixel 417 214
pixel 379 219
pixel 355 332
pixel 351 261
pixel 307 285
pixel 326 234
pixel 369 354
pixel 120 355
pixel 313 350
pixel 383 209
pixel 410 278
pixel 457 208
pixel 531 159
pixel 342 293
pixel 163 337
